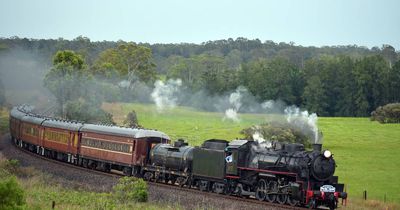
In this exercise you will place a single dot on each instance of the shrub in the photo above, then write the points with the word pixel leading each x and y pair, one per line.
pixel 11 194
pixel 279 132
pixel 390 113
pixel 131 120
pixel 11 165
pixel 131 189
pixel 88 112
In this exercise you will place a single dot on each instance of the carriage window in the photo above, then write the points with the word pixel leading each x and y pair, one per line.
pixel 118 147
pixel 56 136
pixel 31 130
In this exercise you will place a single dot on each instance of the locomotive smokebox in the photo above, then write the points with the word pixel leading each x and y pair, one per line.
pixel 317 147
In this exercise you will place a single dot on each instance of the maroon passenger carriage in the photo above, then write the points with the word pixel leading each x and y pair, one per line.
pixel 112 147
pixel 98 147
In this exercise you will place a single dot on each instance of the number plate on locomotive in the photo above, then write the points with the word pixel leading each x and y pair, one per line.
pixel 327 188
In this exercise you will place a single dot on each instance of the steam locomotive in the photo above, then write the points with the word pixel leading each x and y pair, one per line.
pixel 284 173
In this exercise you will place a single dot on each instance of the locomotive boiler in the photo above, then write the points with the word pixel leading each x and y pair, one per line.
pixel 178 157
pixel 294 158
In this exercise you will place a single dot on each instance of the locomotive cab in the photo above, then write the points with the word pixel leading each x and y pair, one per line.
pixel 236 156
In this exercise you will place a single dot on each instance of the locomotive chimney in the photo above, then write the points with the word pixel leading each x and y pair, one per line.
pixel 317 147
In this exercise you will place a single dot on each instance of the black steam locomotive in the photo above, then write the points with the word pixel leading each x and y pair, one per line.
pixel 284 173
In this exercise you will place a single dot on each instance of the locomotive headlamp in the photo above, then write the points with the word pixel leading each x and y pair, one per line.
pixel 327 153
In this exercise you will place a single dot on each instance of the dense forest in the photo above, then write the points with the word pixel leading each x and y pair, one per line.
pixel 330 80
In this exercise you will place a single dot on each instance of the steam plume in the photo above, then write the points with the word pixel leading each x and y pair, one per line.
pixel 165 94
pixel 304 121
pixel 235 101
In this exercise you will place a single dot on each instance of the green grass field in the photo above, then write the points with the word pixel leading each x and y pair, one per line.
pixel 367 153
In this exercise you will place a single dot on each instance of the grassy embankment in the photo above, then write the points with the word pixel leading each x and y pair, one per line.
pixel 367 153
pixel 40 193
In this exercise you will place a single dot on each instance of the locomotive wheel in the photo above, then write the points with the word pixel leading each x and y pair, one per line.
pixel 173 180
pixel 273 189
pixel 291 201
pixel 261 191
pixel 227 190
pixel 282 197
pixel 218 188
pixel 181 181
pixel 148 176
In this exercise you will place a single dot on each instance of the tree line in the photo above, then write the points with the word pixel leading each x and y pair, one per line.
pixel 331 81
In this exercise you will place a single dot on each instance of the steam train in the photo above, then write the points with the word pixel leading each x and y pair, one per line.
pixel 284 173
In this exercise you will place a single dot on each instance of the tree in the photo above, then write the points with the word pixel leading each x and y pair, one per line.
pixel 204 72
pixel 372 89
pixel 314 96
pixel 271 79
pixel 129 60
pixel 331 86
pixel 65 78
pixel 346 84
pixel 389 53
pixel 394 83
pixel 131 120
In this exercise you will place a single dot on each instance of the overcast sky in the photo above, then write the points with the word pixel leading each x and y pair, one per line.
pixel 308 23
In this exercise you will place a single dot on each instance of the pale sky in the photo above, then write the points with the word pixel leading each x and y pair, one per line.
pixel 309 23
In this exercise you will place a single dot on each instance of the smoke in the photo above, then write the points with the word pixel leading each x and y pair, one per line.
pixel 231 114
pixel 173 93
pixel 165 95
pixel 304 121
pixel 258 137
pixel 235 104
pixel 235 97
pixel 124 84
pixel 22 72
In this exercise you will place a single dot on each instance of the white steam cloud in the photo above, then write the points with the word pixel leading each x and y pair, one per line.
pixel 231 114
pixel 303 120
pixel 165 94
pixel 235 102
pixel 257 136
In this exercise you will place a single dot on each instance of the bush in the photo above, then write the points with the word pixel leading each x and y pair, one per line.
pixel 131 120
pixel 11 165
pixel 88 112
pixel 11 194
pixel 131 189
pixel 278 132
pixel 390 113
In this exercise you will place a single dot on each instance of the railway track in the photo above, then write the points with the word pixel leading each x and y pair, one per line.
pixel 115 174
